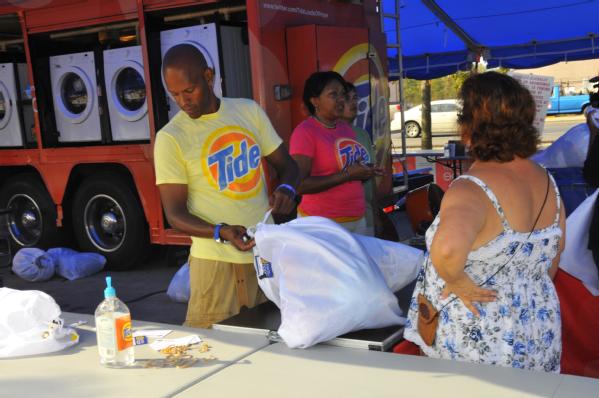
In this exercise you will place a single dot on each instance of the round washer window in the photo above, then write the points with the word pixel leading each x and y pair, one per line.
pixel 2 106
pixel 74 93
pixel 130 89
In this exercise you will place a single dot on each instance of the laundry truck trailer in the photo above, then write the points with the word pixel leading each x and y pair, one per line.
pixel 82 98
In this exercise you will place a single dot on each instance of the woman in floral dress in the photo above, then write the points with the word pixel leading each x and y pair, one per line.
pixel 495 245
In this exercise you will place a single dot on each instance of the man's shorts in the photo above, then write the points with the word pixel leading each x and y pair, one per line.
pixel 218 290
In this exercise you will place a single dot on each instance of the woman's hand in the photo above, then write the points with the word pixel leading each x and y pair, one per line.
pixel 282 201
pixel 468 292
pixel 362 172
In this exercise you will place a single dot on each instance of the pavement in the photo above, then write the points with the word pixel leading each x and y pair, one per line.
pixel 142 289
pixel 577 117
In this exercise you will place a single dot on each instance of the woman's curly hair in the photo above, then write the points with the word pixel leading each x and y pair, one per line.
pixel 496 118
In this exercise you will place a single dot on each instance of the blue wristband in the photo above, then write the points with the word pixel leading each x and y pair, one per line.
pixel 289 188
pixel 217 237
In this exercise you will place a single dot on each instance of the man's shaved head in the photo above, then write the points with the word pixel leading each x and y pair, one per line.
pixel 189 80
pixel 186 58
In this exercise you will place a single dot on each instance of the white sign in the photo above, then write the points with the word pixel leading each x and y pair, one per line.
pixel 540 87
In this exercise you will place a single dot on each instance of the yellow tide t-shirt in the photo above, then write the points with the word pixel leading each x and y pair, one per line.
pixel 218 156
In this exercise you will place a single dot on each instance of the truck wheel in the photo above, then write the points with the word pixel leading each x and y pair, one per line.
pixel 108 219
pixel 32 222
pixel 412 129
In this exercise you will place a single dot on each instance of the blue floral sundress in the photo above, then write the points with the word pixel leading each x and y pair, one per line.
pixel 522 328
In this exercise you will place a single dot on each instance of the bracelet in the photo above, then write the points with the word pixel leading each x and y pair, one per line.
pixel 217 237
pixel 289 188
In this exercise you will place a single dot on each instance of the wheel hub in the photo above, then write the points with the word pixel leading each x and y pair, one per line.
pixel 105 222
pixel 25 221
pixel 109 222
pixel 28 219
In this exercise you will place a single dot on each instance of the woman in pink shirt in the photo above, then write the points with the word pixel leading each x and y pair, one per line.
pixel 331 160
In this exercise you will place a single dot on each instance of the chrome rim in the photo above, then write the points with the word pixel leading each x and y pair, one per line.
pixel 412 130
pixel 25 222
pixel 105 223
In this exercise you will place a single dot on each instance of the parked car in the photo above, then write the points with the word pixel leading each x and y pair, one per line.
pixel 393 109
pixel 444 115
pixel 561 103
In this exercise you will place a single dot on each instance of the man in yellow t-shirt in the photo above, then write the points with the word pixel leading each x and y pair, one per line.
pixel 212 185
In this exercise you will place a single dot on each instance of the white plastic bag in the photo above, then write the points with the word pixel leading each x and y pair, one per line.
pixel 72 265
pixel 577 259
pixel 322 280
pixel 33 265
pixel 178 289
pixel 30 324
pixel 398 262
pixel 569 150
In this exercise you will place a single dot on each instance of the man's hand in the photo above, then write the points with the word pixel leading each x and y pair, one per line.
pixel 468 292
pixel 235 234
pixel 282 201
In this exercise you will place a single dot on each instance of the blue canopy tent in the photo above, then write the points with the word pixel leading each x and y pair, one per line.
pixel 441 37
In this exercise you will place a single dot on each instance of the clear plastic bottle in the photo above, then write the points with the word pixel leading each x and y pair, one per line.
pixel 113 330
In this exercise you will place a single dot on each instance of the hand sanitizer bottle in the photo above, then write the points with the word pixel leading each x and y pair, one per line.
pixel 113 330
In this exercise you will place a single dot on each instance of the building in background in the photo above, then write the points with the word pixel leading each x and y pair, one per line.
pixel 573 77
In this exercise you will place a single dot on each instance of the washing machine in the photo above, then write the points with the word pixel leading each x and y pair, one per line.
pixel 75 94
pixel 204 38
pixel 16 115
pixel 126 88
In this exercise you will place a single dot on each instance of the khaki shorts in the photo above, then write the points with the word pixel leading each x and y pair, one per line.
pixel 218 290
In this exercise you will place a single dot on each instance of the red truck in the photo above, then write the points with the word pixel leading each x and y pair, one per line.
pixel 81 99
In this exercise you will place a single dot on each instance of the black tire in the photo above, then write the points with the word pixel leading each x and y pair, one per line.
pixel 32 221
pixel 108 218
pixel 412 129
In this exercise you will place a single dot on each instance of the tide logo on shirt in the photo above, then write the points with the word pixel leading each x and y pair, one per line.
pixel 350 151
pixel 231 162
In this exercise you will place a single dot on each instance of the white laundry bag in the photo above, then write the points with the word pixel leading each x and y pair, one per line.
pixel 73 265
pixel 577 259
pixel 179 288
pixel 30 324
pixel 569 150
pixel 398 262
pixel 33 264
pixel 323 281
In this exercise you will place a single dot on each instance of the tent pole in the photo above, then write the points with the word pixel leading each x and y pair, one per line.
pixel 400 86
pixel 401 97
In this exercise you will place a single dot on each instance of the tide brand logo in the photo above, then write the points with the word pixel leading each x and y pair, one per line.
pixel 350 151
pixel 231 162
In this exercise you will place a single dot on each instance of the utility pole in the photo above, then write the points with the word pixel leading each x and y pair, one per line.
pixel 427 139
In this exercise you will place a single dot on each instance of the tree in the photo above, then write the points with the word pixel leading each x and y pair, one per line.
pixel 427 139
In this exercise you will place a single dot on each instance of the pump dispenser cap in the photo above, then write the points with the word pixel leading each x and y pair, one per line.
pixel 109 291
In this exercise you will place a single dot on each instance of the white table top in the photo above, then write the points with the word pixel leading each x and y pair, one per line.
pixel 326 371
pixel 76 371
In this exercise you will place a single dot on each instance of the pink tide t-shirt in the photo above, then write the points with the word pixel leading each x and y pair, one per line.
pixel 331 150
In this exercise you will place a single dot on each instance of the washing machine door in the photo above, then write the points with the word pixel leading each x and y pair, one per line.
pixel 75 94
pixel 128 91
pixel 6 105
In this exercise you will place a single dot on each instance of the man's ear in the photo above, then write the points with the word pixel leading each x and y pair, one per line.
pixel 209 76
